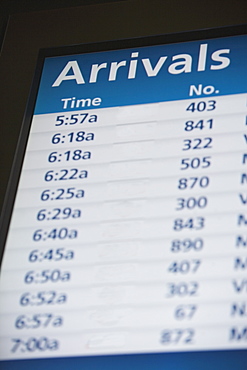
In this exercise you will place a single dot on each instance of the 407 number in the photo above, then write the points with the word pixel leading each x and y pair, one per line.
pixel 184 267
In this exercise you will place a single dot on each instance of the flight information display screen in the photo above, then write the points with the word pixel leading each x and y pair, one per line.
pixel 124 231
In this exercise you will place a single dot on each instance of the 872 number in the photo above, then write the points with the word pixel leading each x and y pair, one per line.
pixel 176 336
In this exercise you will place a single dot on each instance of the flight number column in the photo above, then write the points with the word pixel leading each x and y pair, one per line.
pixel 188 244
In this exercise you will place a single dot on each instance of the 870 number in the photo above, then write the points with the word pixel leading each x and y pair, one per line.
pixel 191 182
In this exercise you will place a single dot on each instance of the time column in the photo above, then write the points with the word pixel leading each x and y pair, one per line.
pixel 41 247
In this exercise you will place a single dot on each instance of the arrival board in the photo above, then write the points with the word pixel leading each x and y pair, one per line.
pixel 128 230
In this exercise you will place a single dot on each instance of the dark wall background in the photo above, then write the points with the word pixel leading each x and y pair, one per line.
pixel 28 25
pixel 10 7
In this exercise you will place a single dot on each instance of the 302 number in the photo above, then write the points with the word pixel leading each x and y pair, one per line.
pixel 183 289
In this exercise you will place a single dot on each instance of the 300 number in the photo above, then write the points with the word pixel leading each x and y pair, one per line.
pixel 191 203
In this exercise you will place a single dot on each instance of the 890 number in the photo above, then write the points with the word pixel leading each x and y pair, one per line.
pixel 187 245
